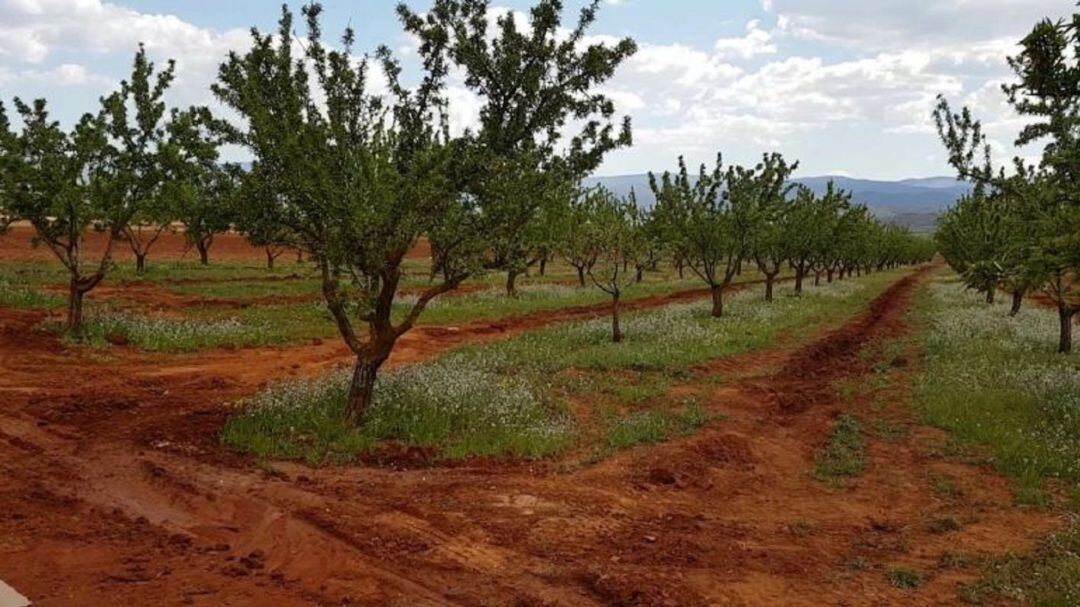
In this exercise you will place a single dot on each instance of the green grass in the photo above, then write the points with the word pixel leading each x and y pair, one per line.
pixel 904 578
pixel 27 297
pixel 845 453
pixel 157 334
pixel 459 410
pixel 648 427
pixel 512 397
pixel 1048 577
pixel 995 382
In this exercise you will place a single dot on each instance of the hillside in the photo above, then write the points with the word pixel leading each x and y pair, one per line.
pixel 912 202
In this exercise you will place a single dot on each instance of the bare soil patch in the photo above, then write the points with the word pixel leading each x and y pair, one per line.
pixel 116 492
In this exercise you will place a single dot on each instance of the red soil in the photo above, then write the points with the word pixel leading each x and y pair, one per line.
pixel 16 245
pixel 116 492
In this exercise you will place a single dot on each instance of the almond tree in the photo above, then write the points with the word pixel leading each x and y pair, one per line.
pixel 135 117
pixel 1047 91
pixel 8 142
pixel 760 207
pixel 698 221
pixel 576 246
pixel 201 192
pixel 617 244
pixel 58 182
pixel 357 179
pixel 544 121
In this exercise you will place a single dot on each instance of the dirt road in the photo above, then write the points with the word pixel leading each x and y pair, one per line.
pixel 116 492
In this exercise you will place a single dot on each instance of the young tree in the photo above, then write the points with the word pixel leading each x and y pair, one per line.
pixel 201 192
pixel 58 182
pixel 576 245
pixel 617 242
pixel 698 221
pixel 759 205
pixel 533 80
pixel 135 121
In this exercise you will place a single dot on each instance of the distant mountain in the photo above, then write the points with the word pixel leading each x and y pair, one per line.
pixel 917 201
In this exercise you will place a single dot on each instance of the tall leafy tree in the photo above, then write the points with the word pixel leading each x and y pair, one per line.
pixel 58 182
pixel 356 187
pixel 699 223
pixel 544 121
pixel 1047 91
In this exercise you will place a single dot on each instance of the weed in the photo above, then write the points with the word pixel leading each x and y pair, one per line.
pixel 945 524
pixel 1049 576
pixel 845 453
pixel 904 578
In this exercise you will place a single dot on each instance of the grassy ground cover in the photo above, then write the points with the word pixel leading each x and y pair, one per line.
pixel 994 381
pixel 558 368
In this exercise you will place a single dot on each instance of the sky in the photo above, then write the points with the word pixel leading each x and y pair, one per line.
pixel 846 88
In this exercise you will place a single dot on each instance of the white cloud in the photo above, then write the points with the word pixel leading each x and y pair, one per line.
pixel 757 41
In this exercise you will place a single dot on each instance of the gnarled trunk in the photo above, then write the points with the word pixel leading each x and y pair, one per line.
pixel 800 273
pixel 616 330
pixel 511 283
pixel 640 274
pixel 581 276
pixel 1017 301
pixel 769 280
pixel 140 263
pixel 543 265
pixel 990 292
pixel 1065 316
pixel 829 275
pixel 717 300
pixel 75 307
pixel 362 388
pixel 204 253
pixel 817 278
pixel 270 257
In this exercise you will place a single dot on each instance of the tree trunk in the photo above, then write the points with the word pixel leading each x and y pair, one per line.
pixel 800 272
pixel 140 263
pixel 511 284
pixel 616 330
pixel 680 267
pixel 269 259
pixel 817 278
pixel 543 265
pixel 299 256
pixel 1065 314
pixel 769 279
pixel 990 295
pixel 361 389
pixel 717 301
pixel 640 275
pixel 840 274
pixel 75 307
pixel 1017 301
pixel 581 276
pixel 204 253
pixel 829 275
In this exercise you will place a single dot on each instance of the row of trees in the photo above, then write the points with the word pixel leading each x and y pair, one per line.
pixel 356 175
pixel 719 221
pixel 1020 229
pixel 128 171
